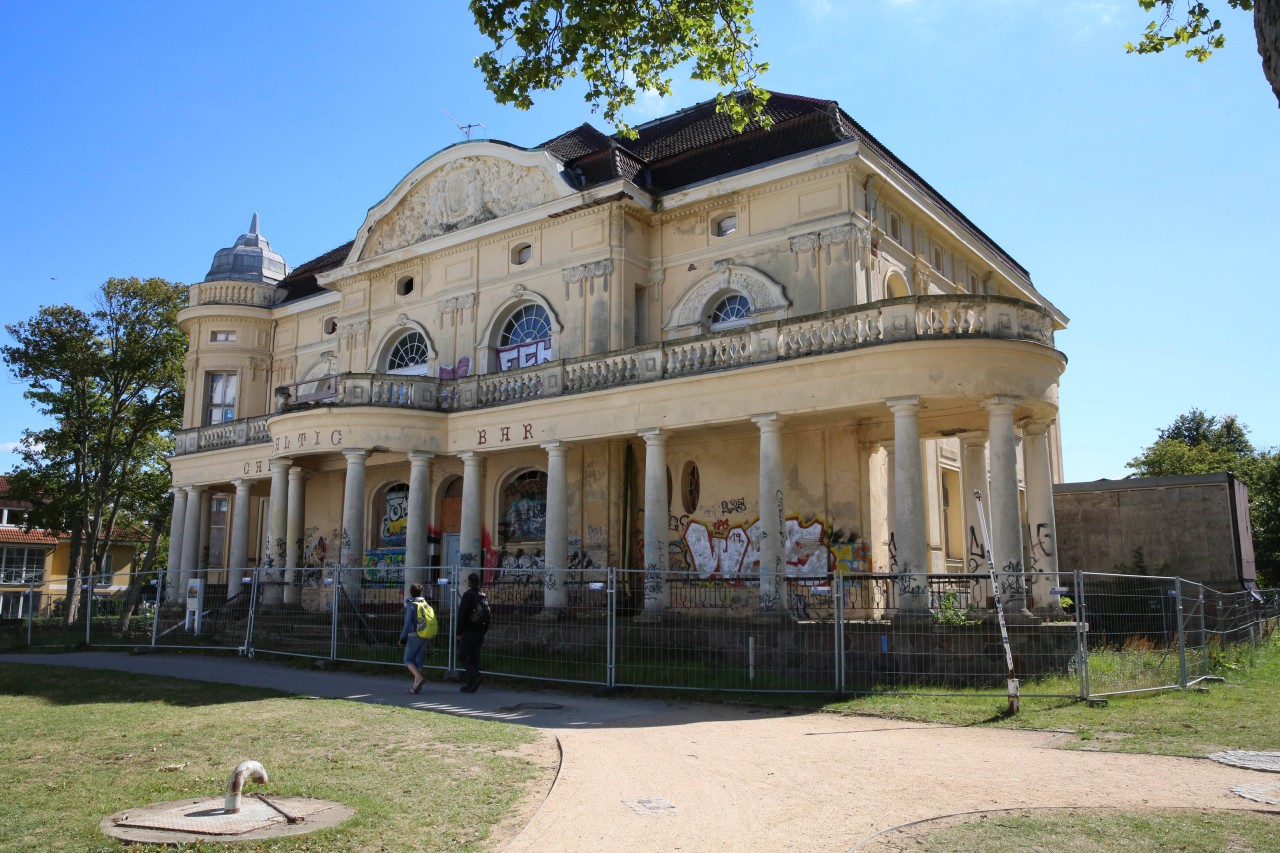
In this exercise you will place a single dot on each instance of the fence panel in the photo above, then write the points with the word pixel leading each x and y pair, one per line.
pixel 214 616
pixel 370 615
pixel 692 632
pixel 955 647
pixel 108 627
pixel 1133 632
pixel 545 624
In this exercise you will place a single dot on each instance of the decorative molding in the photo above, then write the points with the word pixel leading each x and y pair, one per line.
pixel 805 243
pixel 465 192
pixel 765 295
pixel 585 275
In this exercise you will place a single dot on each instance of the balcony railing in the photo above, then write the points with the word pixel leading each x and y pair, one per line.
pixel 890 321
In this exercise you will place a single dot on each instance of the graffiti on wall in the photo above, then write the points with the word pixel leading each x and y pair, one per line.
pixel 735 551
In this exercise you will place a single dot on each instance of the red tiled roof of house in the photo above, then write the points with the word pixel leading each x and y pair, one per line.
pixel 30 538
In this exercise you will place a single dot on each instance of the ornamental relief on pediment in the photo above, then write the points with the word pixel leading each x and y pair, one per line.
pixel 466 192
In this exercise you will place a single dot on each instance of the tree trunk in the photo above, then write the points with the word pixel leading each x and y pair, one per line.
pixel 134 593
pixel 1266 23
pixel 71 603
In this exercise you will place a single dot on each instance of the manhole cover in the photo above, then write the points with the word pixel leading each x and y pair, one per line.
pixel 651 805
pixel 1265 794
pixel 1269 761
pixel 539 706
pixel 191 820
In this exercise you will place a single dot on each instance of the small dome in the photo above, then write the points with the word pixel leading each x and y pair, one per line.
pixel 250 259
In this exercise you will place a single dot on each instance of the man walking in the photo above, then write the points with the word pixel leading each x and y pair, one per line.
pixel 473 624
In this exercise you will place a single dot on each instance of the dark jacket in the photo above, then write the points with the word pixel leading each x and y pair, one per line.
pixel 470 601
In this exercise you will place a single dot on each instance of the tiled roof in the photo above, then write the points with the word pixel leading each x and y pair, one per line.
pixel 302 281
pixel 30 538
pixel 583 139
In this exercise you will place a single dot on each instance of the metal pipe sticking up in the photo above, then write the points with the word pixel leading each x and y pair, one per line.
pixel 235 784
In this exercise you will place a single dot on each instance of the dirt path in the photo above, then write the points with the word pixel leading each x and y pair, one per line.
pixel 737 780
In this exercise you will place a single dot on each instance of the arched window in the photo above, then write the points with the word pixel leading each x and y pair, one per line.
pixel 733 310
pixel 395 516
pixel 524 508
pixel 525 339
pixel 409 354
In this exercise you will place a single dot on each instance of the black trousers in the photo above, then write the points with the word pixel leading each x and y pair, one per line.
pixel 469 655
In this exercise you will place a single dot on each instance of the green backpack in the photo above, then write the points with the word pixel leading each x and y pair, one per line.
pixel 425 623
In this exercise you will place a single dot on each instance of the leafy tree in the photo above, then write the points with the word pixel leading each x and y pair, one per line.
pixel 1196 443
pixel 111 382
pixel 620 49
pixel 1202 33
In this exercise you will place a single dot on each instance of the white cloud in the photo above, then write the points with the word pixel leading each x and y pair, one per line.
pixel 10 446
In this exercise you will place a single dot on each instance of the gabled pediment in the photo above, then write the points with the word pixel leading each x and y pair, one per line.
pixel 459 187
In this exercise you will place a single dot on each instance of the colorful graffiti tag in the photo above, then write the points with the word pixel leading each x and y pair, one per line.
pixel 735 551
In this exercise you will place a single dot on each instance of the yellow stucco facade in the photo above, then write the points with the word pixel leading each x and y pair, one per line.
pixel 516 357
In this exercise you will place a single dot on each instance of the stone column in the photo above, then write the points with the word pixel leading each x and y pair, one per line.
pixel 190 538
pixel 351 555
pixel 973 478
pixel 1043 533
pixel 470 544
pixel 773 545
pixel 909 510
pixel 177 524
pixel 418 526
pixel 555 596
pixel 1005 513
pixel 891 508
pixel 293 533
pixel 271 582
pixel 656 594
pixel 238 557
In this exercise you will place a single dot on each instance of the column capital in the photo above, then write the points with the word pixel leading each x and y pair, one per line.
pixel 420 457
pixel 1001 403
pixel 356 455
pixel 471 457
pixel 242 484
pixel 770 421
pixel 297 473
pixel 195 490
pixel 555 448
pixel 653 436
pixel 281 463
pixel 902 404
pixel 1035 427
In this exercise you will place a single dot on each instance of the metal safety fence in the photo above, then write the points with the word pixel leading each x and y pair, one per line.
pixel 1096 635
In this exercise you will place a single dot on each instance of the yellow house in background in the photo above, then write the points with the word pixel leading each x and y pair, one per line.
pixel 757 359
pixel 37 561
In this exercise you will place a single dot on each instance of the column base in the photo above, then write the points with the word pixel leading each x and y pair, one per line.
pixel 1019 616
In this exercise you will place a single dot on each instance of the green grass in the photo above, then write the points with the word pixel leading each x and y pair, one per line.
pixel 1235 714
pixel 1076 831
pixel 81 745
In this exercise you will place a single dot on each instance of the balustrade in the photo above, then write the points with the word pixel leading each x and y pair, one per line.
pixel 929 317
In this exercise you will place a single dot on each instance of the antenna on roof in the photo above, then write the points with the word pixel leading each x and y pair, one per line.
pixel 465 128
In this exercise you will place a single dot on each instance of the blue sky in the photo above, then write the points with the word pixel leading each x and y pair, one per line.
pixel 1141 192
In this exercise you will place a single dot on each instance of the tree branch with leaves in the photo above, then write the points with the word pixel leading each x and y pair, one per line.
pixel 620 49
pixel 1193 24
